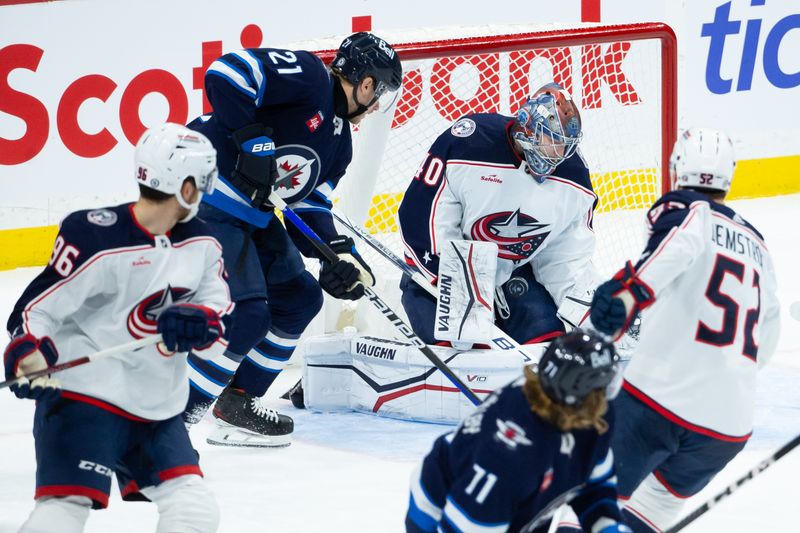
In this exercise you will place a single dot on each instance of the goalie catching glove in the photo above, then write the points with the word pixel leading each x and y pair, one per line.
pixel 26 354
pixel 185 327
pixel 617 302
pixel 345 279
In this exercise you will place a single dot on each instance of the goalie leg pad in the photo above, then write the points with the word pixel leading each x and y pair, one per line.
pixel 465 307
pixel 393 379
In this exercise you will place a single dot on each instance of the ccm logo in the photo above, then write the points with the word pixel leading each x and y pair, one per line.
pixel 100 469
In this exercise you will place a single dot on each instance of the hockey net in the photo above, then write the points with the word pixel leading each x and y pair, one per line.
pixel 622 77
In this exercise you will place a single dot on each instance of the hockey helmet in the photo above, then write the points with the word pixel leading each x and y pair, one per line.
pixel 551 129
pixel 168 154
pixel 576 364
pixel 703 159
pixel 364 55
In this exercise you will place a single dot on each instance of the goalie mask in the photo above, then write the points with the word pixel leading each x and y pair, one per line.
pixel 702 159
pixel 576 364
pixel 363 55
pixel 167 155
pixel 550 129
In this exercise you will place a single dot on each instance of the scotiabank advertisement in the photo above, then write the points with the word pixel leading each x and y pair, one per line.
pixel 81 80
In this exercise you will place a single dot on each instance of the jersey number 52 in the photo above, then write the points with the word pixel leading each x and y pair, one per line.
pixel 726 335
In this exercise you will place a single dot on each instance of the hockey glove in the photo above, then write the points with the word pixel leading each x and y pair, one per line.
pixel 345 278
pixel 617 301
pixel 188 326
pixel 26 354
pixel 256 170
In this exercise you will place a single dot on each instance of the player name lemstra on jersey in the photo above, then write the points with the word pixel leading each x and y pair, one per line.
pixel 372 350
pixel 737 242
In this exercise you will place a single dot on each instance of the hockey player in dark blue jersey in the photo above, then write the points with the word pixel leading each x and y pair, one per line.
pixel 280 119
pixel 537 443
pixel 118 274
pixel 521 183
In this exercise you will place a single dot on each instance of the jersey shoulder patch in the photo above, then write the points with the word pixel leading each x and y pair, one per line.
pixel 102 217
pixel 480 137
pixel 463 127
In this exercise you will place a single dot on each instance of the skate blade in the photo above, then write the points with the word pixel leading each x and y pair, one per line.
pixel 228 435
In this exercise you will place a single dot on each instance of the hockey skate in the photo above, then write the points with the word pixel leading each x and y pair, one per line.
pixel 243 421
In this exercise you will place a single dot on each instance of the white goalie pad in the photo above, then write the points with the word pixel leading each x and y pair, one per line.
pixel 389 378
pixel 465 307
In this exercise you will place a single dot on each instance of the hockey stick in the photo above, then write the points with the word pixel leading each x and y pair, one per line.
pixel 733 487
pixel 501 340
pixel 122 348
pixel 376 300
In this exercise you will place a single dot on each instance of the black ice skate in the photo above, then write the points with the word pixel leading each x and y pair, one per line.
pixel 243 421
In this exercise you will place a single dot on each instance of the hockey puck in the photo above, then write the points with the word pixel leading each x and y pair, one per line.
pixel 794 310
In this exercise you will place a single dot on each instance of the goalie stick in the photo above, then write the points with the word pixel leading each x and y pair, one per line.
pixel 733 487
pixel 122 348
pixel 500 339
pixel 376 300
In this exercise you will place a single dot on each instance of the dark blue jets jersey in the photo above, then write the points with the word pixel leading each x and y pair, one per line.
pixel 291 92
pixel 506 469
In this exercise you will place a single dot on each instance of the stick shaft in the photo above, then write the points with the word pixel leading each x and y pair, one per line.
pixel 500 339
pixel 122 348
pixel 377 301
pixel 733 487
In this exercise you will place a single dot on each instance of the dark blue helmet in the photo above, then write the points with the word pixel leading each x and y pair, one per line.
pixel 364 55
pixel 576 364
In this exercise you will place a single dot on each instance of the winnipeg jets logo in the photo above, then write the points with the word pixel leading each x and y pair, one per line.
pixel 142 318
pixel 515 233
pixel 511 434
pixel 298 171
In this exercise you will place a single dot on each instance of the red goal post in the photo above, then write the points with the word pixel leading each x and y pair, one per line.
pixel 623 78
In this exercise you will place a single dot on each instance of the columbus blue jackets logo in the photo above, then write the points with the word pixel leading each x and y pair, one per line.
pixel 142 318
pixel 298 172
pixel 516 234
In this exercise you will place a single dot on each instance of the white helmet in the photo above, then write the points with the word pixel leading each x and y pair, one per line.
pixel 702 158
pixel 168 154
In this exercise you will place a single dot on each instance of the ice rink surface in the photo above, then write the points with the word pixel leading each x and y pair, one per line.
pixel 349 472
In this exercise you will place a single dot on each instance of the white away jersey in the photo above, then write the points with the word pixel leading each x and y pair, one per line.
pixel 715 319
pixel 472 185
pixel 107 281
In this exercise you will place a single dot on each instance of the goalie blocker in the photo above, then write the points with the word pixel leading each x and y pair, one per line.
pixel 345 372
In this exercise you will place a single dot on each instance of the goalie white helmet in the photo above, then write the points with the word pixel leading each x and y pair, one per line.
pixel 168 154
pixel 703 159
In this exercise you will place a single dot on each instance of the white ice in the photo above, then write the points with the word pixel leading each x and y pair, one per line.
pixel 349 472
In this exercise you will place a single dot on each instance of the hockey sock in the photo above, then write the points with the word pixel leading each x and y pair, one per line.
pixel 67 514
pixel 207 379
pixel 265 361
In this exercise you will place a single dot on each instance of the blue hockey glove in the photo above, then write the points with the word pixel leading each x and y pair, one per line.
pixel 188 326
pixel 26 354
pixel 345 279
pixel 617 301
